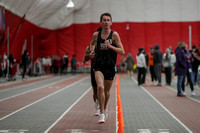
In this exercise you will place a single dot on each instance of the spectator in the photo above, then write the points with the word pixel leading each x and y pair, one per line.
pixel 123 64
pixel 73 64
pixel 151 67
pixel 130 62
pixel 181 67
pixel 189 71
pixel 141 65
pixel 195 64
pixel 147 63
pixel 173 61
pixel 25 62
pixel 66 61
pixel 157 60
pixel 167 66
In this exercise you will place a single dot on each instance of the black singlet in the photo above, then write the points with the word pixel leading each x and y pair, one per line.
pixel 104 56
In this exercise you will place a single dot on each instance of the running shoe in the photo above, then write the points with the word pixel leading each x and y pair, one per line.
pixel 97 104
pixel 97 112
pixel 106 110
pixel 193 94
pixel 101 118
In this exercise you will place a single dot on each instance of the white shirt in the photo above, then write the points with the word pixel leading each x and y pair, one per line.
pixel 141 61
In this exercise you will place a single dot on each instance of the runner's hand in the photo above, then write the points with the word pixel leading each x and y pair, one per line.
pixel 92 54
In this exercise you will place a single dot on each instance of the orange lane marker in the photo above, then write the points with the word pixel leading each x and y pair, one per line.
pixel 120 119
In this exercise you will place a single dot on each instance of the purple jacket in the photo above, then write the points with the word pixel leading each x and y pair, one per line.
pixel 181 61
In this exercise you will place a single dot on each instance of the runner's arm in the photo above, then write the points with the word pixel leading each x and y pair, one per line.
pixel 119 49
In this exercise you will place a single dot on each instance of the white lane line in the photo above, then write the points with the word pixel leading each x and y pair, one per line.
pixel 67 111
pixel 13 88
pixel 175 90
pixel 165 108
pixel 42 99
pixel 33 89
pixel 186 95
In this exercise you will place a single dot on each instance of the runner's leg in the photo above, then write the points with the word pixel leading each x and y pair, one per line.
pixel 100 89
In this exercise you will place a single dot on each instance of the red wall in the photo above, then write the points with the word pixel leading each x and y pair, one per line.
pixel 75 38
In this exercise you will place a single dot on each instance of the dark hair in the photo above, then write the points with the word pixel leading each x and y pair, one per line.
pixel 105 14
pixel 140 49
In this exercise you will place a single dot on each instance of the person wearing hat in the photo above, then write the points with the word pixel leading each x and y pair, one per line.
pixel 141 65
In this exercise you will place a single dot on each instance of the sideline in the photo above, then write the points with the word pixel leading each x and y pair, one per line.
pixel 164 108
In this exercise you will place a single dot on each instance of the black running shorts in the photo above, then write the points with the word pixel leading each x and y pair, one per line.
pixel 93 81
pixel 108 72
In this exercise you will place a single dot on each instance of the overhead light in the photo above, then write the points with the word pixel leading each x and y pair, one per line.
pixel 70 4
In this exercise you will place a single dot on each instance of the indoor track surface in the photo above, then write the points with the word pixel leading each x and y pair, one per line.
pixel 64 104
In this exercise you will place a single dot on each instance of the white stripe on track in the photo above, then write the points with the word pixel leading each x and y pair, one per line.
pixel 67 111
pixel 41 99
pixel 33 89
pixel 175 81
pixel 164 108
pixel 13 88
pixel 186 95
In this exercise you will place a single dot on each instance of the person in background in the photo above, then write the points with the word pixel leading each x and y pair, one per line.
pixel 122 64
pixel 66 61
pixel 173 62
pixel 147 63
pixel 157 61
pixel 167 66
pixel 195 65
pixel 130 62
pixel 25 62
pixel 73 64
pixel 11 63
pixel 151 66
pixel 141 65
pixel 189 70
pixel 181 67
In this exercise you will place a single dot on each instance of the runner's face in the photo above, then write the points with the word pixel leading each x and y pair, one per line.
pixel 106 22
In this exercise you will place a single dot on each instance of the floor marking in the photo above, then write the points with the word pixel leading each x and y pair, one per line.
pixel 175 90
pixel 41 99
pixel 144 131
pixel 33 89
pixel 13 88
pixel 67 110
pixel 153 130
pixel 14 131
pixel 164 108
pixel 186 95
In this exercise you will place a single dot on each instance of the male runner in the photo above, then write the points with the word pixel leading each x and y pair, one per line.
pixel 108 44
pixel 93 81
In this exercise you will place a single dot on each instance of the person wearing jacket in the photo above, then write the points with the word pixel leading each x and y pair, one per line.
pixel 189 71
pixel 181 67
pixel 157 60
pixel 151 66
pixel 130 62
pixel 141 65
pixel 167 66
